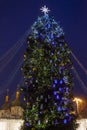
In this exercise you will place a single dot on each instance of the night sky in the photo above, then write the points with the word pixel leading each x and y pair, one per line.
pixel 17 16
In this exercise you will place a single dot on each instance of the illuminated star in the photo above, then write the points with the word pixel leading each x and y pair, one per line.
pixel 45 10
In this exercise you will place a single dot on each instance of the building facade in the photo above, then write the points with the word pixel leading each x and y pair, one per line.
pixel 13 110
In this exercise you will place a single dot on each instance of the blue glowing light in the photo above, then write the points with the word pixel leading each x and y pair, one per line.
pixel 60 44
pixel 48 25
pixel 55 93
pixel 57 97
pixel 61 81
pixel 27 124
pixel 52 36
pixel 36 32
pixel 65 121
pixel 63 49
pixel 60 89
pixel 66 114
pixel 53 43
pixel 40 112
pixel 55 81
pixel 59 109
pixel 63 98
pixel 70 118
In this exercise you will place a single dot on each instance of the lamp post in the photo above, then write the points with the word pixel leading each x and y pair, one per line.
pixel 77 100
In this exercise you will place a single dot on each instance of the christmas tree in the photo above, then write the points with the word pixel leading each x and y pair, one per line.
pixel 47 77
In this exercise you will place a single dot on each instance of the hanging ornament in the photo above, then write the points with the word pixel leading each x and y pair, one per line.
pixel 66 114
pixel 41 106
pixel 61 81
pixel 40 112
pixel 46 100
pixel 55 81
pixel 52 54
pixel 41 97
pixel 36 81
pixel 59 109
pixel 55 92
pixel 34 69
pixel 60 89
pixel 65 121
pixel 50 61
pixel 58 52
pixel 39 122
pixel 46 121
pixel 57 97
pixel 53 43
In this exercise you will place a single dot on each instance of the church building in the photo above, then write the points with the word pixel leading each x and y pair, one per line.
pixel 13 110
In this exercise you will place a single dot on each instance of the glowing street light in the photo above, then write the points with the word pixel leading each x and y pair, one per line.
pixel 77 100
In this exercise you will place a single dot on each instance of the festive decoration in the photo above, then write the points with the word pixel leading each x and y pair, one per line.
pixel 45 9
pixel 47 76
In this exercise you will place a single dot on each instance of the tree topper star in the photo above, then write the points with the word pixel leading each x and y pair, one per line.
pixel 45 10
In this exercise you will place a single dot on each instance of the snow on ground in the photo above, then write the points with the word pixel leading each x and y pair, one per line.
pixel 82 124
pixel 6 124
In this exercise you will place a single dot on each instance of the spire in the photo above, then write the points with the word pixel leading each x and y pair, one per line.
pixel 17 93
pixel 17 101
pixel 7 97
pixel 6 105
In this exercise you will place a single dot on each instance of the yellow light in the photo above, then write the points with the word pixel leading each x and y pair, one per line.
pixel 28 103
pixel 24 99
pixel 34 69
pixel 7 98
pixel 17 95
pixel 77 100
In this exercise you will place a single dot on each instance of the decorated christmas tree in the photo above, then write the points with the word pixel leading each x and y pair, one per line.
pixel 47 76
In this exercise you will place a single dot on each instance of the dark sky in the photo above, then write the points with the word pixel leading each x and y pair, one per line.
pixel 17 16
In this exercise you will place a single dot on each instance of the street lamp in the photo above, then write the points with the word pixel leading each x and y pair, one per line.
pixel 77 100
